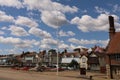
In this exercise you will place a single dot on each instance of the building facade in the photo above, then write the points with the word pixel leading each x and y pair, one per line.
pixel 113 52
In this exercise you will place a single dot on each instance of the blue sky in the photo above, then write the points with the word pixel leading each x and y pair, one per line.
pixel 33 25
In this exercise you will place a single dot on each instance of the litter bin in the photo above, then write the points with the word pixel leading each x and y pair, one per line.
pixel 91 78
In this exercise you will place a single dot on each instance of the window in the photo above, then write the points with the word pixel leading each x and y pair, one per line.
pixel 84 60
pixel 117 57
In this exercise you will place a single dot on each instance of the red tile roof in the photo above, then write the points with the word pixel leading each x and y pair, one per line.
pixel 114 44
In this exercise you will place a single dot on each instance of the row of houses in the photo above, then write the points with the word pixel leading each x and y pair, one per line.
pixel 95 58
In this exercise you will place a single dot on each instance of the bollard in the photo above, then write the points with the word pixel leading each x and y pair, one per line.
pixel 91 78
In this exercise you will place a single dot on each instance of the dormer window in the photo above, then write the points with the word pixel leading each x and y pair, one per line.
pixel 93 55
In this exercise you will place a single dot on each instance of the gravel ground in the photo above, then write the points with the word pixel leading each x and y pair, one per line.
pixel 31 75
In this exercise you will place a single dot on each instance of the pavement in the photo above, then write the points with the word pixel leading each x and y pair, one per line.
pixel 9 74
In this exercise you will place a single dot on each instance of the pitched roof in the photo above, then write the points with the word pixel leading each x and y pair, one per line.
pixel 114 44
pixel 28 54
pixel 42 53
pixel 68 54
pixel 99 49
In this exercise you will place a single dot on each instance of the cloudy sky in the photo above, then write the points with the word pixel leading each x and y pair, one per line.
pixel 33 25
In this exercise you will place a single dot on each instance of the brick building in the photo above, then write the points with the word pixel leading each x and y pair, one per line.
pixel 113 52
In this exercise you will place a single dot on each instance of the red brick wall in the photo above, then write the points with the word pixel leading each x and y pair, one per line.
pixel 107 59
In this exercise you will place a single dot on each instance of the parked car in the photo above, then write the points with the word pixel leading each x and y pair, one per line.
pixel 70 68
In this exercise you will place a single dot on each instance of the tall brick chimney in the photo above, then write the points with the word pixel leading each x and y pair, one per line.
pixel 111 28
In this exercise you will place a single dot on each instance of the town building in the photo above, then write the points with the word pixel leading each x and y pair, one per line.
pixel 96 59
pixel 113 52
pixel 78 55
pixel 29 58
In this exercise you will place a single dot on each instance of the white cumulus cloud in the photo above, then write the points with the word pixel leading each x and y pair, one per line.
pixel 101 10
pixel 40 33
pixel 17 42
pixel 63 46
pixel 88 42
pixel 68 33
pixel 48 43
pixel 45 46
pixel 11 3
pixel 5 18
pixel 52 13
pixel 53 19
pixel 25 21
pixel 26 43
pixel 18 31
pixel 9 40
pixel 87 23
pixel 48 5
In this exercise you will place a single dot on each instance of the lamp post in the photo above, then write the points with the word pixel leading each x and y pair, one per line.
pixel 57 29
pixel 57 51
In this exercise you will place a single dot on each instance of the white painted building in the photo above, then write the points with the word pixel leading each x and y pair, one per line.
pixel 83 62
pixel 69 59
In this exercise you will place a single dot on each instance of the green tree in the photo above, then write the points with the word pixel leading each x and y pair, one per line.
pixel 74 64
pixel 53 51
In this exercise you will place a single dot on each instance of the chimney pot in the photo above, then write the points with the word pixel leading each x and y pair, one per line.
pixel 112 28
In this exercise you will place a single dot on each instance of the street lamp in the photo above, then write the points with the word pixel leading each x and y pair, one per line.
pixel 57 50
